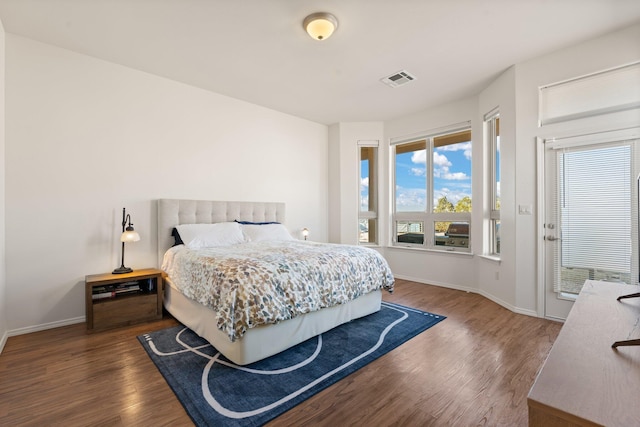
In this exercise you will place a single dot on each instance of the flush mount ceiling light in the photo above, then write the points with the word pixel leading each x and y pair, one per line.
pixel 320 25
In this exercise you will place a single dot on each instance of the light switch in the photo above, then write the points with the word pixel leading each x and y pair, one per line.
pixel 525 209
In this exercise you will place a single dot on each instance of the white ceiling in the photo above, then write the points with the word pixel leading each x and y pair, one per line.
pixel 257 50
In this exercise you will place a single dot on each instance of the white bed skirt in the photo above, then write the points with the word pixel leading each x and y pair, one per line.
pixel 264 341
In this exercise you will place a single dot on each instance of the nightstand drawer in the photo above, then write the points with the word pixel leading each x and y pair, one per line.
pixel 126 310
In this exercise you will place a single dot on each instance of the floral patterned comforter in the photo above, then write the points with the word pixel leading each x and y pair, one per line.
pixel 259 283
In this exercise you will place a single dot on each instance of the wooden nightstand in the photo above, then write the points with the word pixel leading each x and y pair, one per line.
pixel 123 299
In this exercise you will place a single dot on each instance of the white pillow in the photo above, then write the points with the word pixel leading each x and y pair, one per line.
pixel 196 236
pixel 258 233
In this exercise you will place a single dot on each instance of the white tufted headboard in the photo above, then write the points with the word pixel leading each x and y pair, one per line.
pixel 172 212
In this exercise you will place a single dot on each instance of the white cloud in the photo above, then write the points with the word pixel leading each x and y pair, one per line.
pixel 441 166
pixel 410 199
pixel 456 176
pixel 440 160
pixel 466 147
pixel 364 203
pixel 364 198
pixel 419 157
pixel 456 147
pixel 418 171
pixel 467 153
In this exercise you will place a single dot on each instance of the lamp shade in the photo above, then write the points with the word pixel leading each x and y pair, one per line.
pixel 130 235
pixel 320 25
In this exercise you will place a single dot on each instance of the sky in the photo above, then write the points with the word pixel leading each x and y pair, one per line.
pixel 451 177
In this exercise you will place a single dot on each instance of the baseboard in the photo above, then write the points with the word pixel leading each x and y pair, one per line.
pixel 45 326
pixel 3 340
pixel 510 307
pixel 518 310
pixel 431 282
pixel 526 312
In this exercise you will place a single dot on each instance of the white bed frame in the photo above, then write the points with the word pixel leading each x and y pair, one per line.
pixel 263 341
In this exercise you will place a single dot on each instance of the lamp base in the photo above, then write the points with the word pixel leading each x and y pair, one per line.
pixel 121 270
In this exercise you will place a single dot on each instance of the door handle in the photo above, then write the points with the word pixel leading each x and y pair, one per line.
pixel 552 238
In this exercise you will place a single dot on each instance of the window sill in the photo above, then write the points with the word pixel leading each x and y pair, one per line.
pixel 493 258
pixel 370 245
pixel 567 296
pixel 436 251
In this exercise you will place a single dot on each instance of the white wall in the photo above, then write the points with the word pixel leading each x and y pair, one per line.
pixel 86 138
pixel 3 282
pixel 334 179
pixel 496 278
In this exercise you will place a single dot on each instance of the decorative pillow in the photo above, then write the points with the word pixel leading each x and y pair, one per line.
pixel 256 223
pixel 176 237
pixel 258 233
pixel 196 236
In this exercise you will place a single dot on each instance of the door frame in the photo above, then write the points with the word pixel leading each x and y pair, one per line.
pixel 542 295
pixel 601 136
pixel 541 213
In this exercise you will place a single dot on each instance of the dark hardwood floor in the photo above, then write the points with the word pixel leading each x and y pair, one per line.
pixel 473 369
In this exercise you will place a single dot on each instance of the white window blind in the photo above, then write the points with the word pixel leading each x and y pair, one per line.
pixel 597 208
pixel 600 93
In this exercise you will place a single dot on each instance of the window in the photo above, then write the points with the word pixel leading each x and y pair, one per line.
pixel 432 191
pixel 367 216
pixel 492 129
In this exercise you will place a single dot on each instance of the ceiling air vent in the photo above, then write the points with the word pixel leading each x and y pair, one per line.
pixel 398 79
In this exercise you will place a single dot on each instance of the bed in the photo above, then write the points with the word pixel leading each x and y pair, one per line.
pixel 248 342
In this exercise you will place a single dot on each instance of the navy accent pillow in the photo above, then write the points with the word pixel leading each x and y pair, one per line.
pixel 256 223
pixel 176 236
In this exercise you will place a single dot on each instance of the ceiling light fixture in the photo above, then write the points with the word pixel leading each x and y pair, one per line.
pixel 320 25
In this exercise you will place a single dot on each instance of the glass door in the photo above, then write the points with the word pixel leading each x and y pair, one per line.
pixel 591 216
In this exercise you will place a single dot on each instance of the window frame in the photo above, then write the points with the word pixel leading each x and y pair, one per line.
pixel 428 218
pixel 492 133
pixel 372 213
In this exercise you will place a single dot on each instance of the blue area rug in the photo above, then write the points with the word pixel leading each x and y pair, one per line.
pixel 216 392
